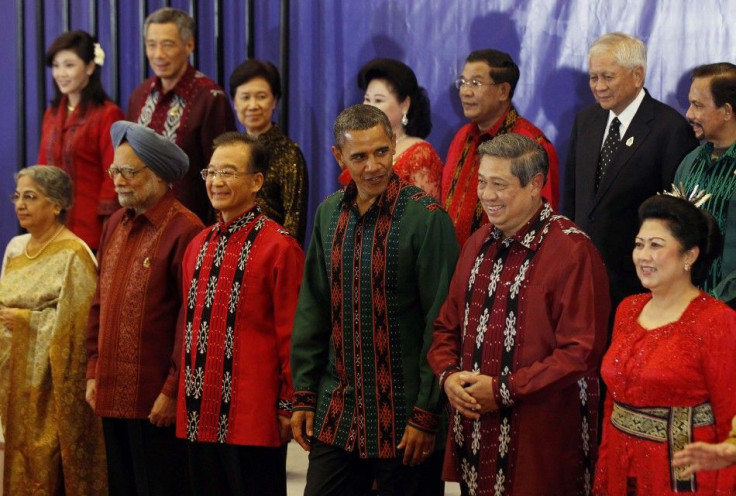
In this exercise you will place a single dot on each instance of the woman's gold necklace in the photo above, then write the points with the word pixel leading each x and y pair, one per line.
pixel 51 240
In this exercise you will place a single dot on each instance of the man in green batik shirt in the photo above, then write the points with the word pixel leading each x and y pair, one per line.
pixel 367 405
pixel 711 167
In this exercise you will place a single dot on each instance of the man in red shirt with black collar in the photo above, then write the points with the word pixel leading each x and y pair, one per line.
pixel 486 87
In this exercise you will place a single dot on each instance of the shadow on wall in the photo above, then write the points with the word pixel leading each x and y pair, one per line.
pixel 679 98
pixel 558 82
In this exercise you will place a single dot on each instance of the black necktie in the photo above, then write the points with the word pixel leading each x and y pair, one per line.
pixel 609 148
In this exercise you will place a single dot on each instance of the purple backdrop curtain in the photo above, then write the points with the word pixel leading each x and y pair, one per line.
pixel 331 39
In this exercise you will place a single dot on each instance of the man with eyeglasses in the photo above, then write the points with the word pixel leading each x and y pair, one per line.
pixel 486 87
pixel 132 376
pixel 241 282
pixel 179 102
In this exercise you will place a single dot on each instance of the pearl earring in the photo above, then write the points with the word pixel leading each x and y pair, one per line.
pixel 404 119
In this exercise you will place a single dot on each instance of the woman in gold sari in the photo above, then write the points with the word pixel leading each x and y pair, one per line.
pixel 53 441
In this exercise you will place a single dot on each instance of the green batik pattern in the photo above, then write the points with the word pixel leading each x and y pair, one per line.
pixel 719 180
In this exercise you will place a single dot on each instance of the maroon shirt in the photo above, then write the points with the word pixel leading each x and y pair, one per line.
pixel 192 114
pixel 133 320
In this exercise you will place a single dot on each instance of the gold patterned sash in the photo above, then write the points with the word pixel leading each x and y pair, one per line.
pixel 673 425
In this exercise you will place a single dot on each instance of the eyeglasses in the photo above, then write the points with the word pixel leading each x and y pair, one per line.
pixel 128 172
pixel 225 174
pixel 27 197
pixel 473 83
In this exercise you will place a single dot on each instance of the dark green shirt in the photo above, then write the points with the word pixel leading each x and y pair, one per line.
pixel 372 287
pixel 718 178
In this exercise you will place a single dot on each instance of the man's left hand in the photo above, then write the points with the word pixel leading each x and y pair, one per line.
pixel 417 446
pixel 163 413
pixel 480 387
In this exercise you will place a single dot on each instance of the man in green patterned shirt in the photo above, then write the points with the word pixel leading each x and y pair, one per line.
pixel 711 167
pixel 366 403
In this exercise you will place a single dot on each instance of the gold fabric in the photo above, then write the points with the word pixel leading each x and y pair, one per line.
pixel 53 441
pixel 665 424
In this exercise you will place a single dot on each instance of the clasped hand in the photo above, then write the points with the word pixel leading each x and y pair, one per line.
pixel 471 393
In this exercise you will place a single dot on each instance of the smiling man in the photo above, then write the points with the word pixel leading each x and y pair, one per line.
pixel 518 342
pixel 710 167
pixel 623 149
pixel 367 405
pixel 241 281
pixel 486 87
pixel 179 102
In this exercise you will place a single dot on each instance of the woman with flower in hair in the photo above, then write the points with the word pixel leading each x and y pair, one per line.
pixel 75 134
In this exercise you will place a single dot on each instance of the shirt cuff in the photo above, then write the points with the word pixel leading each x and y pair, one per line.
pixel 91 368
pixel 304 400
pixel 502 391
pixel 171 386
pixel 424 420
pixel 447 373
pixel 284 407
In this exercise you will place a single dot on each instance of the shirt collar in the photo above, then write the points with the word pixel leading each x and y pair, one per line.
pixel 182 83
pixel 385 201
pixel 530 235
pixel 238 222
pixel 155 214
pixel 627 115
pixel 492 131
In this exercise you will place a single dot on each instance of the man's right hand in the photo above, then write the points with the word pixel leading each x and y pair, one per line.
pixel 91 395
pixel 459 398
pixel 302 426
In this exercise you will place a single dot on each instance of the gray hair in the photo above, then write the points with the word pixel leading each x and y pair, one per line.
pixel 184 22
pixel 630 52
pixel 359 118
pixel 527 156
pixel 53 182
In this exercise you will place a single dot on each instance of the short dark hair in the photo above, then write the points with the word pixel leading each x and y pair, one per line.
pixel 254 68
pixel 691 227
pixel 83 44
pixel 503 67
pixel 527 156
pixel 722 82
pixel 54 182
pixel 185 24
pixel 258 154
pixel 359 118
pixel 403 83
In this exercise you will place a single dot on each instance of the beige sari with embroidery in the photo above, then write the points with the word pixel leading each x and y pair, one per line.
pixel 53 441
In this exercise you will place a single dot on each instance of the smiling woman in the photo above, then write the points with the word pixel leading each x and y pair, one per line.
pixel 670 368
pixel 255 87
pixel 76 131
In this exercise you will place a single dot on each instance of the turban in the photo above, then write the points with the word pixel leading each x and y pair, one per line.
pixel 163 157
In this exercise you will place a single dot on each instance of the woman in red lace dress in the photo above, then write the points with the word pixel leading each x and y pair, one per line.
pixel 670 370
pixel 392 86
pixel 75 133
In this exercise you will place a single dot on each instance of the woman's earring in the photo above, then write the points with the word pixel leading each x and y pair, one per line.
pixel 404 119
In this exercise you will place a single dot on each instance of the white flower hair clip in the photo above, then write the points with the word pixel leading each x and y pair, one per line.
pixel 99 55
pixel 697 198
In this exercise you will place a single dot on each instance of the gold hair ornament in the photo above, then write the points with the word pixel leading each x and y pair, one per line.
pixel 697 198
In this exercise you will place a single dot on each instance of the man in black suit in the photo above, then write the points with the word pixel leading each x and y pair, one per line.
pixel 623 149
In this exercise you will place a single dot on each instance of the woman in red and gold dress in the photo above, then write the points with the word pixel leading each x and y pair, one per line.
pixel 75 134
pixel 670 370
pixel 392 86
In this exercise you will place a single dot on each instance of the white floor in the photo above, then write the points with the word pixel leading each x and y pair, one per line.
pixel 296 473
